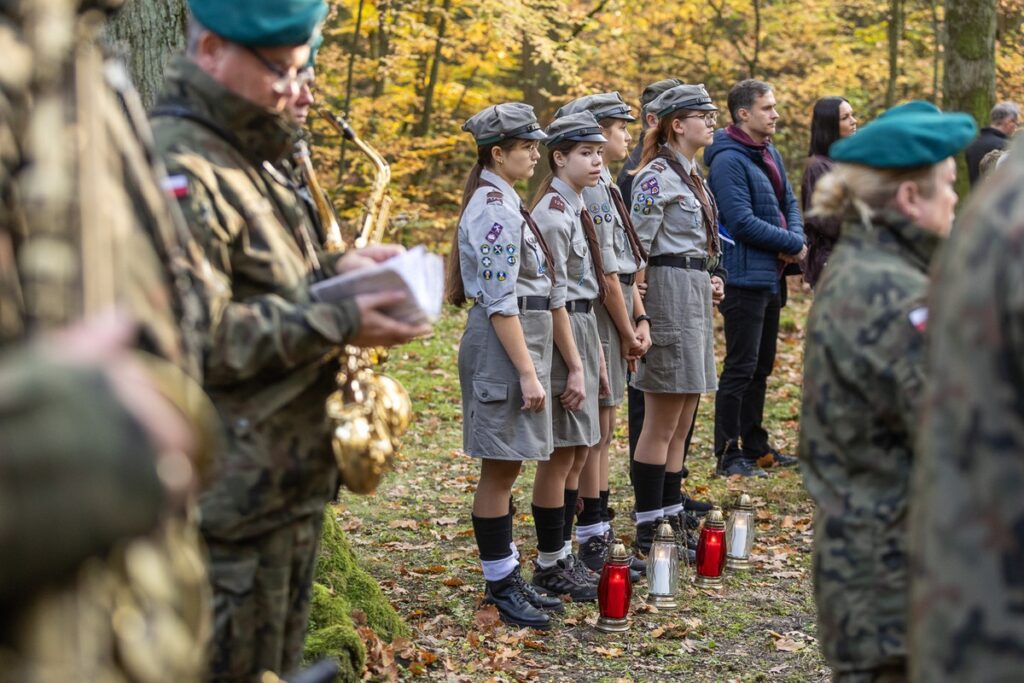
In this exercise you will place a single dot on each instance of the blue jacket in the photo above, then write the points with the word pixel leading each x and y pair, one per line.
pixel 749 211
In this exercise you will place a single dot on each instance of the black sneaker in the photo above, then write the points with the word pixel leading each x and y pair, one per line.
pixel 742 467
pixel 696 507
pixel 593 552
pixel 544 602
pixel 514 607
pixel 584 572
pixel 685 543
pixel 772 458
pixel 563 578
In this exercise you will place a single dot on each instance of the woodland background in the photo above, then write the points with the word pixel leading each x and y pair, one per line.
pixel 407 73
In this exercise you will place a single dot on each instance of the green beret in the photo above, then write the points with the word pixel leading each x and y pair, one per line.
pixel 261 23
pixel 914 134
pixel 314 47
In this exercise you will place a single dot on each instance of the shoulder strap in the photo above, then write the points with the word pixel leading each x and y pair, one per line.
pixel 180 111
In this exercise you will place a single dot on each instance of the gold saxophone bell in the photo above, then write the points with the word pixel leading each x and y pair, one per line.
pixel 369 412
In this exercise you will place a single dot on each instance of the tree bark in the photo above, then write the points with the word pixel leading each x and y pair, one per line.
pixel 969 78
pixel 428 96
pixel 895 34
pixel 147 32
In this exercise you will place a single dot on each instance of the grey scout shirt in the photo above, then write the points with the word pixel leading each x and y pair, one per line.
pixel 499 255
pixel 558 217
pixel 611 233
pixel 665 212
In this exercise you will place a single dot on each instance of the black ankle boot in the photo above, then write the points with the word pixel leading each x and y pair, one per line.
pixel 645 533
pixel 513 605
pixel 545 602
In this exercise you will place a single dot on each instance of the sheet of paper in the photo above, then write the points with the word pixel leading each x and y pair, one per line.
pixel 417 272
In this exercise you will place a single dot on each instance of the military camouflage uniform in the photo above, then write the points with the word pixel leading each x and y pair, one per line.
pixel 266 366
pixel 863 383
pixel 967 505
pixel 98 582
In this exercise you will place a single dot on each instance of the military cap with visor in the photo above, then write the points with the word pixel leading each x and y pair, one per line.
pixel 911 135
pixel 578 127
pixel 689 97
pixel 261 23
pixel 502 122
pixel 606 105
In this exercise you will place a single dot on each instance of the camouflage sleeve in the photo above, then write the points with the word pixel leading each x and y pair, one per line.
pixel 256 335
pixel 77 473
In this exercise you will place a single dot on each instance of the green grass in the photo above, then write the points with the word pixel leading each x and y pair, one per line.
pixel 415 537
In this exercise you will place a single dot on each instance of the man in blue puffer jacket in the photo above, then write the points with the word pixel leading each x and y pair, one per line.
pixel 759 212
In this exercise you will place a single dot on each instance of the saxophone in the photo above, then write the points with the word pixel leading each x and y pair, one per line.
pixel 369 411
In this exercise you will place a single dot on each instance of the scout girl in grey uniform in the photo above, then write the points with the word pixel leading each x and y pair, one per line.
pixel 621 322
pixel 577 371
pixel 676 220
pixel 500 263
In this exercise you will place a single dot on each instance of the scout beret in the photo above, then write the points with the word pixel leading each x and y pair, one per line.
pixel 693 97
pixel 606 105
pixel 578 127
pixel 261 23
pixel 503 121
pixel 652 91
pixel 914 134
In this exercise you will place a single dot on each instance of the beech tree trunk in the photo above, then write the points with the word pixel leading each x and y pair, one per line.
pixel 147 32
pixel 969 78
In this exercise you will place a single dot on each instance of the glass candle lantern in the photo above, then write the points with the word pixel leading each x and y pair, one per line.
pixel 739 535
pixel 614 592
pixel 663 569
pixel 711 551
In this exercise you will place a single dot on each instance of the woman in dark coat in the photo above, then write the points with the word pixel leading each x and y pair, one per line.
pixel 833 119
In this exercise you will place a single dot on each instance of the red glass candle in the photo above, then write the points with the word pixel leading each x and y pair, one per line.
pixel 711 551
pixel 614 591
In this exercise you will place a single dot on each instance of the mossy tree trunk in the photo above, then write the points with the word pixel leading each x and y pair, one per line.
pixel 343 587
pixel 969 79
pixel 147 32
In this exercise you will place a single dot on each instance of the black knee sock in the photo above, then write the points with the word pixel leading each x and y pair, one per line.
pixel 605 515
pixel 549 522
pixel 571 496
pixel 591 513
pixel 672 491
pixel 648 486
pixel 492 537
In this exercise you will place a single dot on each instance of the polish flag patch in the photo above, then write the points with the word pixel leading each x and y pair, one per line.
pixel 175 186
pixel 919 318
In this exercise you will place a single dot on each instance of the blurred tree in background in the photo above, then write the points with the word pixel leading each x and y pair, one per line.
pixel 409 72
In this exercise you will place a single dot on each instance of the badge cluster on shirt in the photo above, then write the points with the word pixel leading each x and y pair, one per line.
pixel 644 199
pixel 602 213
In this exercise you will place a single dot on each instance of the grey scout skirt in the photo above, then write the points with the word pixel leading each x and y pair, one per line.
pixel 681 359
pixel 494 425
pixel 613 360
pixel 582 427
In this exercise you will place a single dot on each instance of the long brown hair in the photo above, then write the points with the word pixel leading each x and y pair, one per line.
pixel 455 290
pixel 656 137
pixel 566 147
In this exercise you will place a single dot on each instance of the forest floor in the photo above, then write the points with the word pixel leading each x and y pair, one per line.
pixel 416 538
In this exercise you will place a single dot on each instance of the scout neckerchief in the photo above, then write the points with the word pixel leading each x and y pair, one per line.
pixel 595 252
pixel 534 229
pixel 709 208
pixel 639 253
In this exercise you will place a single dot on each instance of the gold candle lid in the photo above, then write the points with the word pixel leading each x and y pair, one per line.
pixel 618 554
pixel 715 519
pixel 665 532
pixel 745 503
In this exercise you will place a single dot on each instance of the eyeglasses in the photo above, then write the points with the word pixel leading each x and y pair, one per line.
pixel 289 82
pixel 710 119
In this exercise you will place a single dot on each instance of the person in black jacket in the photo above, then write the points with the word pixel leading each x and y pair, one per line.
pixel 1003 122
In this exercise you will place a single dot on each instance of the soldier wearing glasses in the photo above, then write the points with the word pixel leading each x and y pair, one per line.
pixel 223 124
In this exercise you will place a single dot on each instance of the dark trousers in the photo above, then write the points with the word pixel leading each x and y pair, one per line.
pixel 751 334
